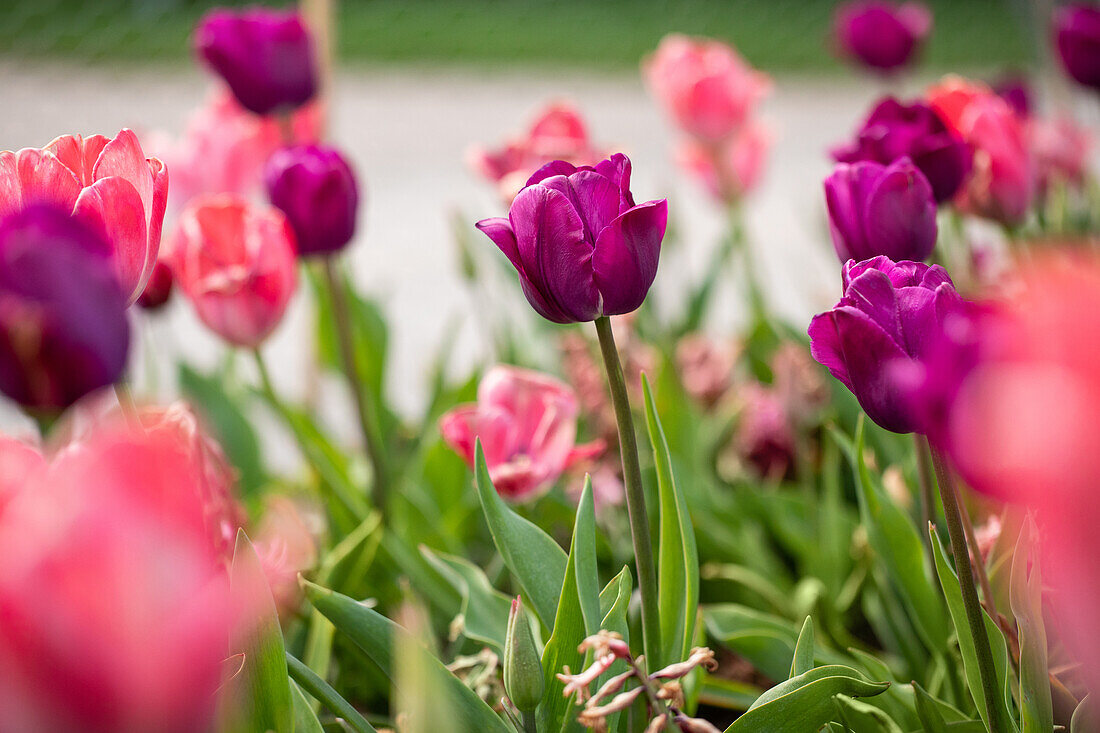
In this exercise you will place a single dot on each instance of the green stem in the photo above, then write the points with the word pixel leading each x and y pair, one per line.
pixel 364 407
pixel 949 493
pixel 927 497
pixel 529 725
pixel 635 494
pixel 323 692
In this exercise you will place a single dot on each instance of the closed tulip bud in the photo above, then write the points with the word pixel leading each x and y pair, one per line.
pixel 582 248
pixel 881 35
pixel 315 188
pixel 265 56
pixel 63 327
pixel 158 290
pixel 523 678
pixel 236 263
pixel 1077 38
pixel 881 210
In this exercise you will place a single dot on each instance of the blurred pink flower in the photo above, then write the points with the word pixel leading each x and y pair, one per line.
pixel 108 183
pixel 527 423
pixel 764 438
pixel 704 85
pixel 236 263
pixel 286 547
pixel 19 462
pixel 224 147
pixel 706 367
pixel 1002 183
pixel 557 133
pixel 732 168
pixel 1060 148
pixel 798 382
pixel 114 609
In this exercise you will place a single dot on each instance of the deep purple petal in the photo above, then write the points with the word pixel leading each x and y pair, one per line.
pixel 872 293
pixel 617 169
pixel 553 168
pixel 844 204
pixel 596 199
pixel 500 231
pixel 868 353
pixel 626 256
pixel 900 213
pixel 825 346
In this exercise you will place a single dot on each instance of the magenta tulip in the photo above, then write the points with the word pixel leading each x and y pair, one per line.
pixel 315 188
pixel 1077 39
pixel 881 35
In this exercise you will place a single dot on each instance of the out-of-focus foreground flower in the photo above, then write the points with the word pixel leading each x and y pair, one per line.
pixel 1077 39
pixel 315 188
pixel 881 35
pixel 527 424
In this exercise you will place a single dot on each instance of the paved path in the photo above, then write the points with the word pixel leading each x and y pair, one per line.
pixel 407 131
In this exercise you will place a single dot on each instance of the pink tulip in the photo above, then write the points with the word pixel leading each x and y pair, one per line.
pixel 705 86
pixel 765 438
pixel 1060 149
pixel 733 168
pixel 224 148
pixel 236 263
pixel 286 547
pixel 527 423
pixel 706 367
pixel 107 182
pixel 19 462
pixel 1002 183
pixel 114 610
pixel 558 132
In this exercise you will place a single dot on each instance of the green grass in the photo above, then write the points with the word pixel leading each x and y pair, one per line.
pixel 778 35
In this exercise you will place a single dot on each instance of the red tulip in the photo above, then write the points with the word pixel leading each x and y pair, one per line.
pixel 108 183
pixel 236 263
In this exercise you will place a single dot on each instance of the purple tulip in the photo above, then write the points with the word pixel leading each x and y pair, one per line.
pixel 316 189
pixel 1017 92
pixel 881 210
pixel 265 56
pixel 582 248
pixel 889 316
pixel 882 35
pixel 63 327
pixel 894 130
pixel 1077 38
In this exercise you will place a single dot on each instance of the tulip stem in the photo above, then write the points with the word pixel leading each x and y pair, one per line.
pixel 635 493
pixel 927 496
pixel 364 407
pixel 949 493
pixel 529 725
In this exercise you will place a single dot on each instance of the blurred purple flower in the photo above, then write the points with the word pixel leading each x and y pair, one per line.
pixel 316 189
pixel 882 35
pixel 1077 38
pixel 1017 92
pixel 582 248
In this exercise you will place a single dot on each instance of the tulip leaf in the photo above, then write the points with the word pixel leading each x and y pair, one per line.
pixel 1084 717
pixel 614 605
pixel 937 716
pixel 260 699
pixel 556 711
pixel 375 635
pixel 949 581
pixel 765 640
pixel 535 560
pixel 323 692
pixel 805 702
pixel 484 613
pixel 803 659
pixel 305 720
pixel 1025 598
pixel 678 558
pixel 859 717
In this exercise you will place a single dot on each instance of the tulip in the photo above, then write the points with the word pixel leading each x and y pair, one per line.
pixel 265 56
pixel 1002 185
pixel 881 210
pixel 107 183
pixel 115 610
pixel 888 316
pixel 523 676
pixel 1077 39
pixel 158 290
pixel 1060 150
pixel 706 367
pixel 733 168
pixel 1017 92
pixel 527 423
pixel 894 130
pixel 765 437
pixel 582 248
pixel 881 35
pixel 705 86
pixel 236 263
pixel 19 463
pixel 315 188
pixel 63 327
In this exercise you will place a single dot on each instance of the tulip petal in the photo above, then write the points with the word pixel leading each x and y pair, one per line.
pixel 124 158
pixel 874 294
pixel 557 261
pixel 595 198
pixel 867 351
pixel 78 154
pixel 617 169
pixel 500 231
pixel 35 176
pixel 825 346
pixel 159 204
pixel 113 204
pixel 900 213
pixel 626 256
pixel 553 168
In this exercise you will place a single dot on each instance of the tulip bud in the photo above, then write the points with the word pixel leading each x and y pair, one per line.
pixel 265 56
pixel 581 246
pixel 315 188
pixel 881 210
pixel 881 35
pixel 1077 38
pixel 63 327
pixel 158 290
pixel 523 678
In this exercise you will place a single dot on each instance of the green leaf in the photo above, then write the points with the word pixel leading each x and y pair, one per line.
pixel 615 603
pixel 729 694
pixel 1084 717
pixel 860 717
pixel 557 711
pixel 951 591
pixel 805 702
pixel 484 613
pixel 536 561
pixel 1025 597
pixel 803 658
pixel 325 694
pixel 765 640
pixel 677 556
pixel 305 720
pixel 260 698
pixel 937 716
pixel 375 635
pixel 584 558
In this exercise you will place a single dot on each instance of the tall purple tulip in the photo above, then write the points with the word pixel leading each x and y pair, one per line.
pixel 885 324
pixel 316 189
pixel 63 327
pixel 882 35
pixel 881 210
pixel 265 56
pixel 1077 38
pixel 893 130
pixel 582 248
